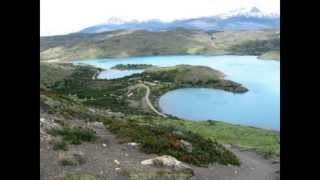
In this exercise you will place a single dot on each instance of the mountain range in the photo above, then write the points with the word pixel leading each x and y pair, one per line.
pixel 239 19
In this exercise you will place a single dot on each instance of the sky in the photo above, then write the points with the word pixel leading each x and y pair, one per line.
pixel 67 16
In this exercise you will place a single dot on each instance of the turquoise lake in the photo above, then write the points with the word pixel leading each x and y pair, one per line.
pixel 259 107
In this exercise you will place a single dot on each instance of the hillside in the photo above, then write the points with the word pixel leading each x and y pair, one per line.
pixel 125 43
pixel 94 129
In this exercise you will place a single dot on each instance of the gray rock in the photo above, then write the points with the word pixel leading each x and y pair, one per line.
pixel 133 144
pixel 116 162
pixel 92 110
pixel 167 161
pixel 186 145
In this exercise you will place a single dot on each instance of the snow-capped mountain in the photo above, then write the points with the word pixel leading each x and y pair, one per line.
pixel 239 19
pixel 248 12
pixel 119 21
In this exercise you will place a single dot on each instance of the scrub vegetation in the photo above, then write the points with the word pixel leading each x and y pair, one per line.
pixel 73 96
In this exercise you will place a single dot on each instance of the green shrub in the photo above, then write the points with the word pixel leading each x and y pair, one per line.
pixel 166 140
pixel 60 145
pixel 75 159
pixel 68 162
pixel 74 135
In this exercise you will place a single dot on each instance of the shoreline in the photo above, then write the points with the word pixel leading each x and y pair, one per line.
pixel 144 56
pixel 157 106
pixel 245 141
pixel 154 100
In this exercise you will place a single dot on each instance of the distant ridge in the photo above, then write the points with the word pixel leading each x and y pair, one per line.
pixel 238 19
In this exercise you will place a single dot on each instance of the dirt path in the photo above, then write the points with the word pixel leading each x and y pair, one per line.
pixel 150 104
pixel 95 75
pixel 253 167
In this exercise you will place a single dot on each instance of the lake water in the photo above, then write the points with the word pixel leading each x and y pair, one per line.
pixel 259 107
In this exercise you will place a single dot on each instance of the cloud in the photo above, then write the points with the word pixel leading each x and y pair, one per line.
pixel 66 16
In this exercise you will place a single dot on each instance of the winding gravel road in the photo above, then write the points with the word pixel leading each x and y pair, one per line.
pixel 150 104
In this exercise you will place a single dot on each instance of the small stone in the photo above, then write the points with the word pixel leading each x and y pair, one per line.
pixel 147 162
pixel 117 169
pixel 97 124
pixel 275 162
pixel 133 144
pixel 116 162
pixel 236 172
pixel 186 145
pixel 101 172
pixel 104 145
pixel 42 120
pixel 126 154
pixel 179 133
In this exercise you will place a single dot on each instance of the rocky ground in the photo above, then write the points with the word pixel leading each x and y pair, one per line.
pixel 107 158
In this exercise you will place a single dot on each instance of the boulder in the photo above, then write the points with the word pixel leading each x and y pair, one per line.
pixel 167 161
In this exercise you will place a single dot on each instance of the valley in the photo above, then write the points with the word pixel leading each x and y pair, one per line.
pixel 83 118
pixel 188 99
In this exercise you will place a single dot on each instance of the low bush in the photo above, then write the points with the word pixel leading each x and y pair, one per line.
pixel 167 140
pixel 74 135
pixel 60 145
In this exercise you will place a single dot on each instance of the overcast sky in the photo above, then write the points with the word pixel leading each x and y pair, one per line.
pixel 67 16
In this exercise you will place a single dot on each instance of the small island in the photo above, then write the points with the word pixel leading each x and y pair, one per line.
pixel 131 66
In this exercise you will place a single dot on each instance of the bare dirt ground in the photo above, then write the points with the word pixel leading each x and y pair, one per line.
pixel 101 156
pixel 253 167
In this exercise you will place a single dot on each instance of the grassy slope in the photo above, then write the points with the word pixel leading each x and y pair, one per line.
pixel 125 43
pixel 153 137
pixel 51 73
pixel 263 141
